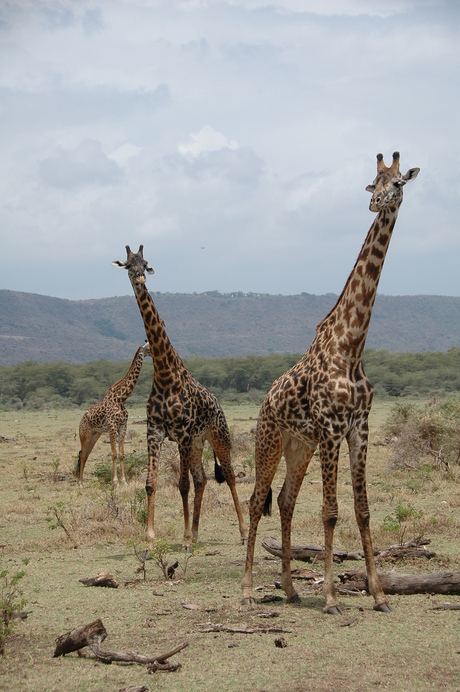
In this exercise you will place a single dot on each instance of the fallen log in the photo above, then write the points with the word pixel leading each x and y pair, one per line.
pixel 101 579
pixel 301 552
pixel 80 637
pixel 306 553
pixel 218 627
pixel 405 584
pixel 93 634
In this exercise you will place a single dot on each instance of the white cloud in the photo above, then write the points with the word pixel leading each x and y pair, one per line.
pixel 124 153
pixel 204 141
pixel 85 165
pixel 245 127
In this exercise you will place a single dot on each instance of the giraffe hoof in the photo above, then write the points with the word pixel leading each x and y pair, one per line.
pixel 333 610
pixel 248 601
pixel 383 607
pixel 295 598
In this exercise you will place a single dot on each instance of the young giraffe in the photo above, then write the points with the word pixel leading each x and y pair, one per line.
pixel 325 398
pixel 180 409
pixel 110 415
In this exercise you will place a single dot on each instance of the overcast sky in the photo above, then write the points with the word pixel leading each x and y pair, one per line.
pixel 233 138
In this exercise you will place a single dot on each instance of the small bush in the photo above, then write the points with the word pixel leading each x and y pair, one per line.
pixel 135 464
pixel 11 602
pixel 425 435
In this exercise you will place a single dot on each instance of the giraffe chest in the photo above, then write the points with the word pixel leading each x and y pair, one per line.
pixel 308 402
pixel 188 412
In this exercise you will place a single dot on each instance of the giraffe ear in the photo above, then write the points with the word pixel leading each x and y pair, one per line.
pixel 117 263
pixel 370 188
pixel 411 174
pixel 150 270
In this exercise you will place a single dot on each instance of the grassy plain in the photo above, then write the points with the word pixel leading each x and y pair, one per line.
pixel 413 648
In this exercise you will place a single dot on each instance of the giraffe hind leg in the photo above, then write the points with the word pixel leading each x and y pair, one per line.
pixel 357 444
pixel 297 457
pixel 269 447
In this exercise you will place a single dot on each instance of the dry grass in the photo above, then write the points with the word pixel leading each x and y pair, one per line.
pixel 414 647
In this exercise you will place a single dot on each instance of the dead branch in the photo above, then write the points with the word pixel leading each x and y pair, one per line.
pixel 447 606
pixel 93 635
pixel 155 662
pixel 240 630
pixel 101 579
pixel 306 553
pixel 406 584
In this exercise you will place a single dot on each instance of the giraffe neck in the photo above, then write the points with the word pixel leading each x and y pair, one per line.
pixel 346 326
pixel 123 388
pixel 167 365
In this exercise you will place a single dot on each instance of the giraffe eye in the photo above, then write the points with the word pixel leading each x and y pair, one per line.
pixel 397 184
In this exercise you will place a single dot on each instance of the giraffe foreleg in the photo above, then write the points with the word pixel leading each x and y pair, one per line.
pixel 113 448
pixel 121 448
pixel 329 454
pixel 357 444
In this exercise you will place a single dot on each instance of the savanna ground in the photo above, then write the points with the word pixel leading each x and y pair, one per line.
pixel 414 647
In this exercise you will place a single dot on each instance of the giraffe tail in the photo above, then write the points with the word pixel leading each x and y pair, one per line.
pixel 77 470
pixel 218 473
pixel 267 511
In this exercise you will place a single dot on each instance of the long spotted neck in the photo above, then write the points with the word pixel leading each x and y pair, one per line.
pixel 123 388
pixel 345 328
pixel 167 364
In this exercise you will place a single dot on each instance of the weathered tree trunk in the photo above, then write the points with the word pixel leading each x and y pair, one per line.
pixel 306 553
pixel 406 584
pixel 80 637
pixel 101 579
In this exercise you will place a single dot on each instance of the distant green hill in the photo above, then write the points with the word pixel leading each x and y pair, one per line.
pixel 43 329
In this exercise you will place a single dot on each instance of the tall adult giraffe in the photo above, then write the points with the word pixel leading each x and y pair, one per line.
pixel 181 409
pixel 325 398
pixel 110 415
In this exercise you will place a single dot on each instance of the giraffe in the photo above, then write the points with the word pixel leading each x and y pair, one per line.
pixel 110 415
pixel 325 398
pixel 181 409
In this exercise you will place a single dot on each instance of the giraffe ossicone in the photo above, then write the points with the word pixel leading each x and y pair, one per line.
pixel 325 398
pixel 179 408
pixel 110 416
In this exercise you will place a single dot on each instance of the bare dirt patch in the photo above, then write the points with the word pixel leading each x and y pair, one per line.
pixel 231 647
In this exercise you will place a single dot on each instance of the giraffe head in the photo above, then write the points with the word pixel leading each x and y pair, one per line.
pixel 146 349
pixel 135 264
pixel 388 184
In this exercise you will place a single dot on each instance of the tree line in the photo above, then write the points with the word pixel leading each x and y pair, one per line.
pixel 58 384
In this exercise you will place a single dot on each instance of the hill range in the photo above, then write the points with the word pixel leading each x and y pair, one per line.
pixel 214 325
